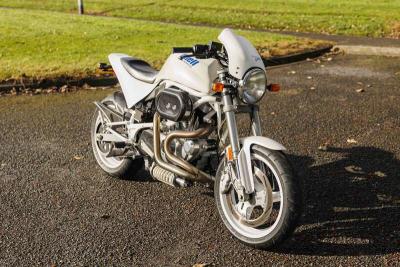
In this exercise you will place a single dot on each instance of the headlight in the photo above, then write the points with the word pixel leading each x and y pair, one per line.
pixel 253 86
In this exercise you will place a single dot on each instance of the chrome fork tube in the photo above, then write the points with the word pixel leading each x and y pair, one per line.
pixel 256 123
pixel 231 123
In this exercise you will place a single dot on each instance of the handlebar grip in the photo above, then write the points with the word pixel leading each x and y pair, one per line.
pixel 182 50
pixel 200 49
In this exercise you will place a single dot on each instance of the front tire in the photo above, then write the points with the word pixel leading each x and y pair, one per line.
pixel 282 188
pixel 123 168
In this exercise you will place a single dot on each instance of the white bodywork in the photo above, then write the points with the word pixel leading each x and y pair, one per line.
pixel 197 76
pixel 133 89
pixel 190 74
pixel 241 53
pixel 244 157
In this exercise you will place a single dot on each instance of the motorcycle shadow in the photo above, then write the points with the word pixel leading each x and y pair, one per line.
pixel 352 205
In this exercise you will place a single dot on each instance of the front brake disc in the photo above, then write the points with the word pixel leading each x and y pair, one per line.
pixel 262 197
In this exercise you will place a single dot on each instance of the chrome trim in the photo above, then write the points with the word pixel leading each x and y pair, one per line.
pixel 231 124
pixel 244 80
pixel 198 175
pixel 255 121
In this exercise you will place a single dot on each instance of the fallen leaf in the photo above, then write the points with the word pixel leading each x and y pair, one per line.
pixel 354 169
pixel 78 157
pixel 38 91
pixel 64 89
pixel 309 77
pixel 359 83
pixel 312 88
pixel 361 90
pixel 201 265
pixel 380 174
pixel 329 59
pixel 351 141
pixel 358 179
pixel 384 197
pixel 292 72
pixel 323 147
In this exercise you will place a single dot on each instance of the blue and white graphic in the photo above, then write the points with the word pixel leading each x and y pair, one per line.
pixel 190 61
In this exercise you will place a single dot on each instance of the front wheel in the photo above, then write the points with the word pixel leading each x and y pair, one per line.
pixel 268 216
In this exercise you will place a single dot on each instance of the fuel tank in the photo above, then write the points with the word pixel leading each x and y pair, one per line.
pixel 197 74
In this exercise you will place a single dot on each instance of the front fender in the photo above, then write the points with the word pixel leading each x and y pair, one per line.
pixel 244 158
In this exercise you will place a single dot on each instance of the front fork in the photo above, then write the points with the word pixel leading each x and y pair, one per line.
pixel 229 109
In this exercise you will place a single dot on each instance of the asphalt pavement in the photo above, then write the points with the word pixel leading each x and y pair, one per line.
pixel 338 116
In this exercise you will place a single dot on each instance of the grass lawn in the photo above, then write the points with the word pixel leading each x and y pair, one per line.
pixel 43 44
pixel 356 17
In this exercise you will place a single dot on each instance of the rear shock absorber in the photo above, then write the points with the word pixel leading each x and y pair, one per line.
pixel 167 177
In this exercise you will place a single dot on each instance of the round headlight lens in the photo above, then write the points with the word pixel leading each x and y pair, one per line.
pixel 253 86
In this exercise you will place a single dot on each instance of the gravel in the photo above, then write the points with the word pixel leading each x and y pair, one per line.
pixel 58 208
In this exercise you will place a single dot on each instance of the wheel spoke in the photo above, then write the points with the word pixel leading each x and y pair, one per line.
pixel 260 199
pixel 276 196
pixel 245 209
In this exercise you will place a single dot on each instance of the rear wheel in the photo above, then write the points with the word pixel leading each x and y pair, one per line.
pixel 270 214
pixel 120 167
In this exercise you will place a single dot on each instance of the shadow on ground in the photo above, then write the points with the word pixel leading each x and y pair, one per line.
pixel 352 204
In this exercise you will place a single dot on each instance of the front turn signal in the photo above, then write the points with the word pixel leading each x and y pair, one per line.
pixel 274 87
pixel 218 87
pixel 229 153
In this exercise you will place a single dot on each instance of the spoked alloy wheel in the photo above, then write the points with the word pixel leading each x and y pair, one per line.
pixel 120 167
pixel 270 214
pixel 103 148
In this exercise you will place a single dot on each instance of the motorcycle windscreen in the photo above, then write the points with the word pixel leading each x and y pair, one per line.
pixel 242 54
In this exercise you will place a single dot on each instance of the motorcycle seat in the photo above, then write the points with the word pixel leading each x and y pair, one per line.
pixel 139 69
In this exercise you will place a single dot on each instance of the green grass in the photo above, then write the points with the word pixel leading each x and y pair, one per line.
pixel 356 17
pixel 43 44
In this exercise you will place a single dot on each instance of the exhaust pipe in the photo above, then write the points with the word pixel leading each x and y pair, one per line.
pixel 201 176
pixel 157 152
pixel 194 174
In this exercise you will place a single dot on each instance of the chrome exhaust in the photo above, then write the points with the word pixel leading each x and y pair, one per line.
pixel 167 177
pixel 186 170
pixel 201 176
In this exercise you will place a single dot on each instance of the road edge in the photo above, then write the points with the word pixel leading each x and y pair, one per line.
pixel 112 81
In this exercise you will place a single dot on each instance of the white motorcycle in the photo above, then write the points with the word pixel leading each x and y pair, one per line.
pixel 180 124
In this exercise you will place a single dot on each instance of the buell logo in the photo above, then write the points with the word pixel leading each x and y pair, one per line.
pixel 257 58
pixel 190 61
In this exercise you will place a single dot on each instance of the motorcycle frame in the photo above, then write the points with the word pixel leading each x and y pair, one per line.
pixel 241 147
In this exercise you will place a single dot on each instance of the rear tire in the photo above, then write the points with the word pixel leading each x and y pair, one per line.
pixel 290 204
pixel 123 168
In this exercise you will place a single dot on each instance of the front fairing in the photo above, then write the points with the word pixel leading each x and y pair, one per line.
pixel 242 54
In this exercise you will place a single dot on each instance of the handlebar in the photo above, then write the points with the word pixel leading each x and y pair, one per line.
pixel 200 50
pixel 176 50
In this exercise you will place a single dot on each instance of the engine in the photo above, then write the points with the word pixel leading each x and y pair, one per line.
pixel 175 107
